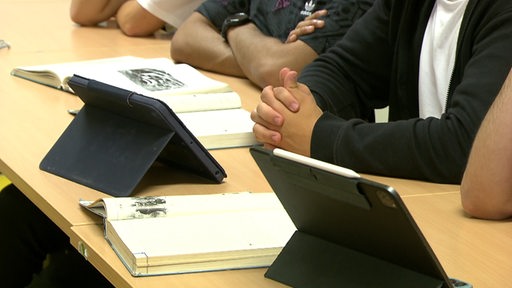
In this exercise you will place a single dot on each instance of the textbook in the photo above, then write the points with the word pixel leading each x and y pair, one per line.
pixel 194 233
pixel 200 101
pixel 155 77
pixel 158 75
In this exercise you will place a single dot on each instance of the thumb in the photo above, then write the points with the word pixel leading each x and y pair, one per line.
pixel 282 74
pixel 290 80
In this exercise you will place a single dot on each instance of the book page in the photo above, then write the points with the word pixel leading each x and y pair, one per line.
pixel 154 77
pixel 191 237
pixel 201 101
pixel 116 208
pixel 57 75
pixel 204 227
pixel 127 207
pixel 221 128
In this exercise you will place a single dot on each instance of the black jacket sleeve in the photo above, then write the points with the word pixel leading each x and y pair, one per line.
pixel 373 67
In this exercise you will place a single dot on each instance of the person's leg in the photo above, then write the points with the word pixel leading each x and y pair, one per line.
pixel 26 239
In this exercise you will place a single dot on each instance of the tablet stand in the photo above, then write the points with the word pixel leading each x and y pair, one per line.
pixel 118 135
pixel 106 151
pixel 308 261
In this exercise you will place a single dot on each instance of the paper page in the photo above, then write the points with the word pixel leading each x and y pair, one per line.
pixel 209 224
pixel 61 72
pixel 97 207
pixel 201 102
pixel 127 207
pixel 221 128
pixel 170 206
pixel 153 77
pixel 234 230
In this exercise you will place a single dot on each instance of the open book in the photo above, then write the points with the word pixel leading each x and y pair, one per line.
pixel 197 99
pixel 150 76
pixel 193 233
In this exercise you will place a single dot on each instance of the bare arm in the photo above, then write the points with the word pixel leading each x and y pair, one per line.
pixel 198 43
pixel 134 20
pixel 486 188
pixel 249 54
pixel 92 12
pixel 262 57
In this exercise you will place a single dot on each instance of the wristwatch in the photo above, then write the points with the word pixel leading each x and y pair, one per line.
pixel 234 20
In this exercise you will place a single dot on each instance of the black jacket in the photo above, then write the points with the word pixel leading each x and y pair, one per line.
pixel 377 65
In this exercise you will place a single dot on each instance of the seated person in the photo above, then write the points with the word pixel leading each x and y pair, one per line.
pixel 437 82
pixel 254 44
pixel 134 17
pixel 486 188
pixel 29 239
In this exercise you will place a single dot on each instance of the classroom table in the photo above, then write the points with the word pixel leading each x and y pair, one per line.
pixel 33 116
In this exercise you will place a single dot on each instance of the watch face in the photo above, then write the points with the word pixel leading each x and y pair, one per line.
pixel 238 17
pixel 232 21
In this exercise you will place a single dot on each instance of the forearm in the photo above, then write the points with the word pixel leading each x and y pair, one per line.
pixel 486 188
pixel 92 12
pixel 262 57
pixel 134 20
pixel 199 44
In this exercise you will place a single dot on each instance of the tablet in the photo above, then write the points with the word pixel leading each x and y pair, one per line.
pixel 116 137
pixel 351 232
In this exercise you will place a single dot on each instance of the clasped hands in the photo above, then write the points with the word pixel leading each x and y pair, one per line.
pixel 286 115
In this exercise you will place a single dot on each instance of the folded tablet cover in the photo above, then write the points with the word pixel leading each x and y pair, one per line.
pixel 351 232
pixel 118 135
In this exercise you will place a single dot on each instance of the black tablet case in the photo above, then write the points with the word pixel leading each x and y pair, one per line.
pixel 116 137
pixel 351 232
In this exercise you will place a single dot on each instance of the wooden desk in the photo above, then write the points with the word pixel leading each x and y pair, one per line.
pixel 32 117
pixel 473 250
pixel 103 257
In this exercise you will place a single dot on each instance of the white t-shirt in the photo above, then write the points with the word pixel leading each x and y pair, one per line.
pixel 438 56
pixel 172 12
